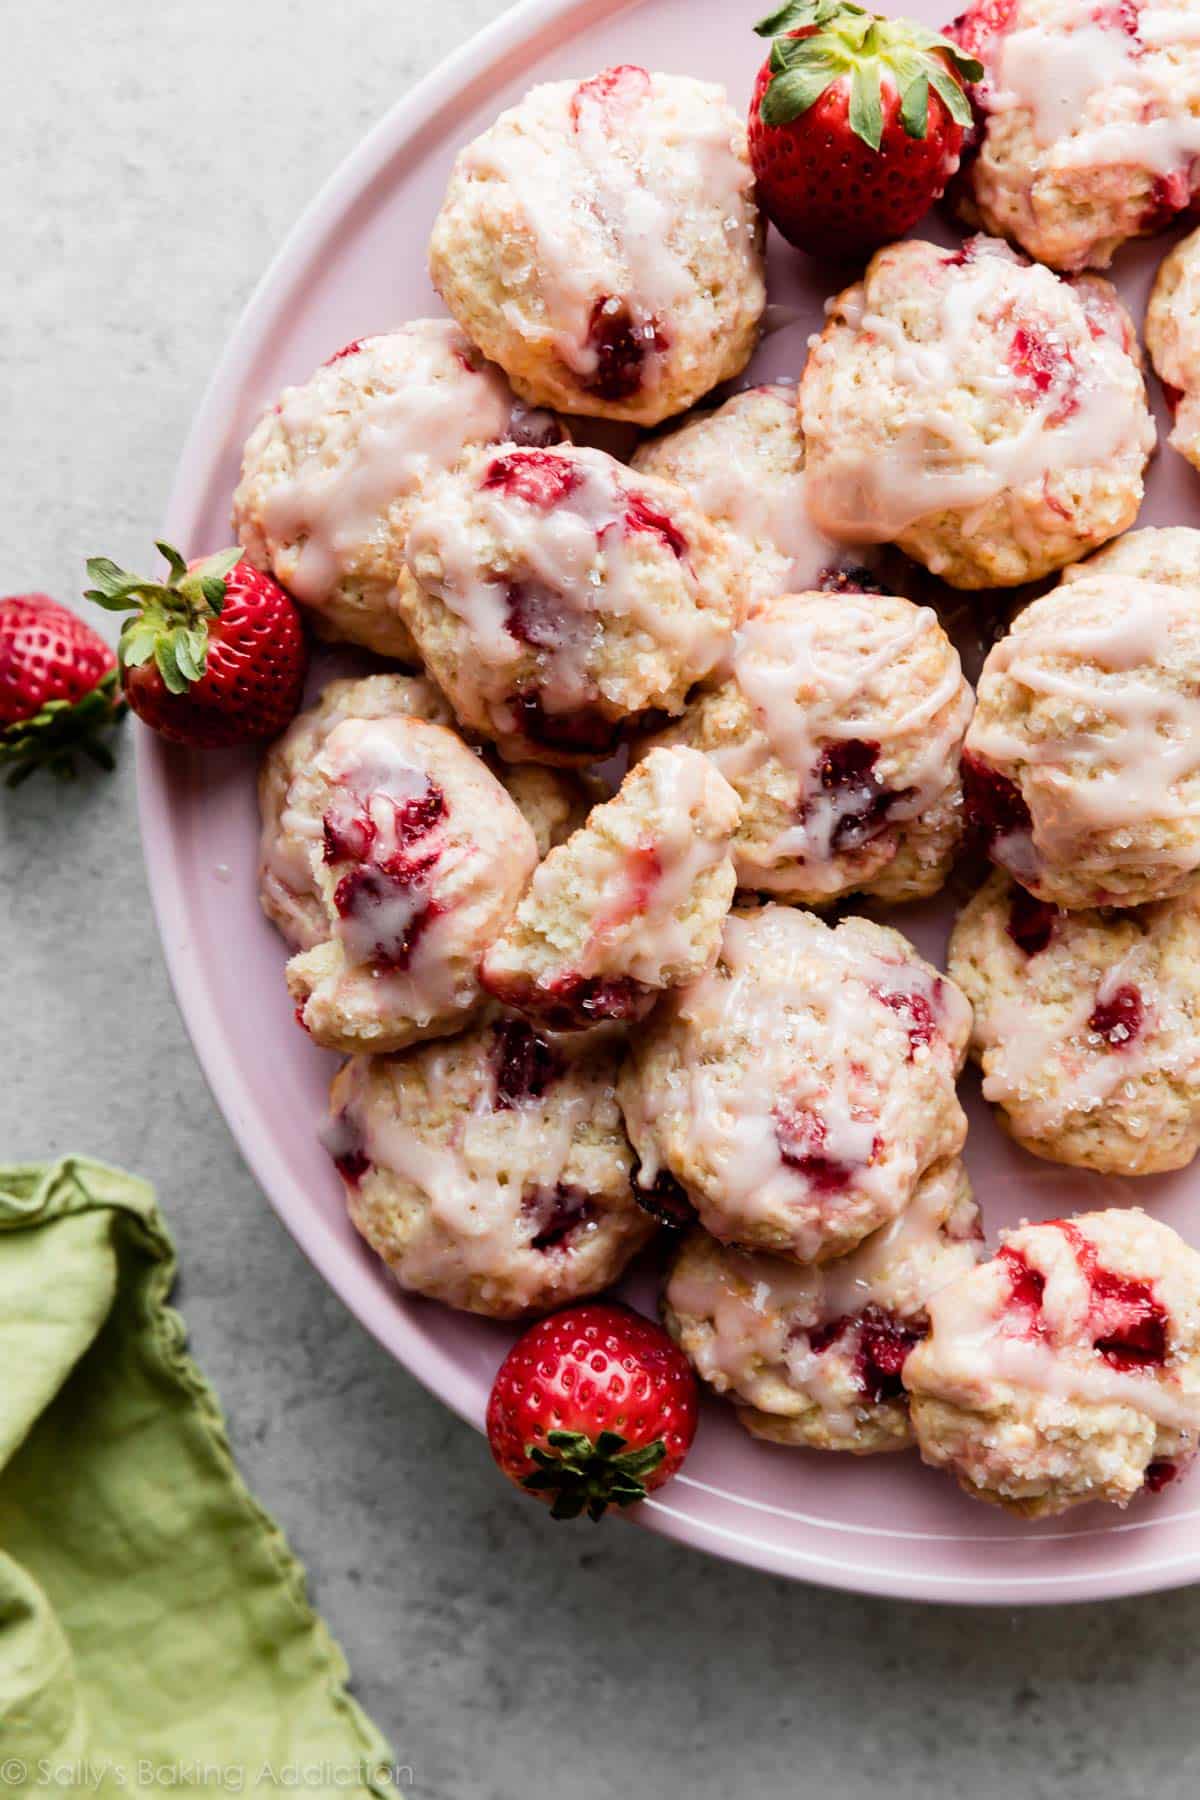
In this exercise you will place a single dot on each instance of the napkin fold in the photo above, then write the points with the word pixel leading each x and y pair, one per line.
pixel 155 1634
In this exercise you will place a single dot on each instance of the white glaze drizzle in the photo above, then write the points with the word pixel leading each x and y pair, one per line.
pixel 803 1003
pixel 580 553
pixel 1099 779
pixel 973 1346
pixel 623 161
pixel 1095 95
pixel 474 1183
pixel 335 506
pixel 867 491
pixel 803 693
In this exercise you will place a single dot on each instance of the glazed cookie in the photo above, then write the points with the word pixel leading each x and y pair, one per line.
pixel 288 888
pixel 1082 762
pixel 1088 122
pixel 811 1354
pixel 1173 338
pixel 840 729
pixel 420 858
pixel 558 596
pixel 1167 554
pixel 490 1172
pixel 800 1090
pixel 1066 1369
pixel 743 464
pixel 631 905
pixel 1087 1026
pixel 329 473
pixel 601 243
pixel 987 416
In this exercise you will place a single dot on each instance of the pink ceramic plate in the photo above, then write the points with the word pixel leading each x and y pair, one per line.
pixel 355 265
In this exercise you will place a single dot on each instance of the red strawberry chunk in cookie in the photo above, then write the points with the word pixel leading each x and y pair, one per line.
pixel 621 343
pixel 1128 1326
pixel 917 1012
pixel 801 1137
pixel 348 834
pixel 1027 1290
pixel 625 84
pixel 368 896
pixel 882 1345
pixel 1031 922
pixel 847 770
pixel 525 1065
pixel 557 1213
pixel 1040 366
pixel 641 516
pixel 538 477
pixel 1118 1018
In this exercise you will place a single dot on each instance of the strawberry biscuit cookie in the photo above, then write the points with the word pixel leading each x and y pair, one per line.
pixel 840 728
pixel 982 413
pixel 629 906
pixel 558 596
pixel 1066 1369
pixel 811 1354
pixel 1082 762
pixel 743 464
pixel 330 472
pixel 1087 1026
pixel 800 1090
pixel 490 1172
pixel 1173 340
pixel 1167 554
pixel 601 243
pixel 288 887
pixel 419 857
pixel 1089 122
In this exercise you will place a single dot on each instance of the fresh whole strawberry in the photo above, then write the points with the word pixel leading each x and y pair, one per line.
pixel 592 1407
pixel 213 655
pixel 58 688
pixel 856 124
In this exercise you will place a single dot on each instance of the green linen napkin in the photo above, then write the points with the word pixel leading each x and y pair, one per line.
pixel 155 1635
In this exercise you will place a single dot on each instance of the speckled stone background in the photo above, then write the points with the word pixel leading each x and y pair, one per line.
pixel 151 158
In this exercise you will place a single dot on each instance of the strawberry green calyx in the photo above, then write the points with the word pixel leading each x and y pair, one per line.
pixel 59 731
pixel 586 1475
pixel 169 620
pixel 845 42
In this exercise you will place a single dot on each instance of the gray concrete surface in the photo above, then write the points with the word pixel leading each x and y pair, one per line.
pixel 503 1656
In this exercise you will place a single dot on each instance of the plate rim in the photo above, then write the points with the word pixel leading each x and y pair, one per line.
pixel 526 29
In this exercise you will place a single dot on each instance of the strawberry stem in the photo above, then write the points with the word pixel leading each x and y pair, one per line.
pixel 168 620
pixel 586 1475
pixel 819 43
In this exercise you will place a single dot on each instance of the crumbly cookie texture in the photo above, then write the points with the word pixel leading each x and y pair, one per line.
pixel 288 888
pixel 632 905
pixel 601 243
pixel 1173 340
pixel 839 727
pixel 330 472
pixel 1087 1025
pixel 559 596
pixel 1089 123
pixel 1167 554
pixel 1082 761
pixel 743 464
pixel 1066 1369
pixel 982 413
pixel 553 802
pixel 800 1090
pixel 490 1172
pixel 419 857
pixel 811 1354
